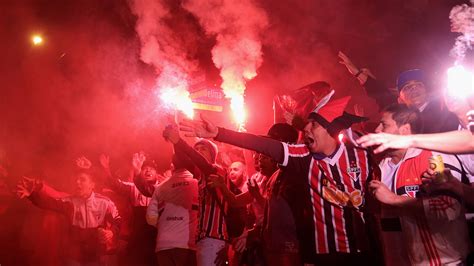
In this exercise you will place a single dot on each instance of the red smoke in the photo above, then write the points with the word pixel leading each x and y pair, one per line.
pixel 91 88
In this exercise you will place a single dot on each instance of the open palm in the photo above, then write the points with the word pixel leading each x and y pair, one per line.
pixel 25 187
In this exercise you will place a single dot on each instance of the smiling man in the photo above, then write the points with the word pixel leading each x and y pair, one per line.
pixel 417 229
pixel 413 90
pixel 238 175
pixel 331 230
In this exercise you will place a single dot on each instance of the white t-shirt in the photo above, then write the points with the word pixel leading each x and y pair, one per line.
pixel 388 174
pixel 174 205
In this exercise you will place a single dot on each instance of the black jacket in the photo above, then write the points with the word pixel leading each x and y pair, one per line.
pixel 436 118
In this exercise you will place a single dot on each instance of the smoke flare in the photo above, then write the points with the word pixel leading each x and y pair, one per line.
pixel 462 21
pixel 162 48
pixel 237 26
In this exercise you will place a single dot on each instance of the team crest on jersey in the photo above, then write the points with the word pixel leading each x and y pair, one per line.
pixel 412 190
pixel 353 170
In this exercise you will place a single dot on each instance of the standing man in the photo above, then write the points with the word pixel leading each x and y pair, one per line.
pixel 412 90
pixel 212 234
pixel 93 218
pixel 140 249
pixel 174 211
pixel 331 230
pixel 434 228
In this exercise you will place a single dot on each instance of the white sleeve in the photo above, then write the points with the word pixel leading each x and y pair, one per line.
pixel 285 154
pixel 152 210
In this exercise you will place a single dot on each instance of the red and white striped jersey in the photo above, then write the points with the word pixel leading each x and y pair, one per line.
pixel 438 236
pixel 336 187
pixel 211 216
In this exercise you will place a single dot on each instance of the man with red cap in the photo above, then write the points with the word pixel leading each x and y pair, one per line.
pixel 332 229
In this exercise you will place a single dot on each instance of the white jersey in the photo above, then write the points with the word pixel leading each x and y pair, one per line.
pixel 173 210
pixel 91 212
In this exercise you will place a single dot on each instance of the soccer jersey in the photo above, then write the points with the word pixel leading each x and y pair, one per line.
pixel 329 190
pixel 336 188
pixel 174 206
pixel 211 213
pixel 211 201
pixel 438 236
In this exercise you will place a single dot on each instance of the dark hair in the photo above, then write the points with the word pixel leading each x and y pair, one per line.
pixel 283 132
pixel 402 115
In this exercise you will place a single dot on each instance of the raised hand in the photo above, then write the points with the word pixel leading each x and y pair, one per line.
pixel 201 129
pixel 253 188
pixel 288 117
pixel 83 162
pixel 344 60
pixel 171 133
pixel 385 141
pixel 104 161
pixel 137 161
pixel 25 187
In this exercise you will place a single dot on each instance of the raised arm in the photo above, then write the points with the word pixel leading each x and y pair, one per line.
pixel 373 87
pixel 205 129
pixel 263 145
pixel 146 188
pixel 111 180
pixel 447 142
pixel 32 189
pixel 186 152
pixel 216 181
pixel 197 159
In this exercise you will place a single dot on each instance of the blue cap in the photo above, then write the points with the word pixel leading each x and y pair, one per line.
pixel 409 75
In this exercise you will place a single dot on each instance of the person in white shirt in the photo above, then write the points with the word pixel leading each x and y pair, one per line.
pixel 432 227
pixel 173 209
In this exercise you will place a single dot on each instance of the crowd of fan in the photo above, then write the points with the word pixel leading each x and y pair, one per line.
pixel 318 192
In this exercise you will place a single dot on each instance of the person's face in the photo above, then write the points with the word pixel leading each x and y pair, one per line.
pixel 148 173
pixel 387 125
pixel 237 172
pixel 267 165
pixel 204 151
pixel 414 94
pixel 84 185
pixel 316 137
